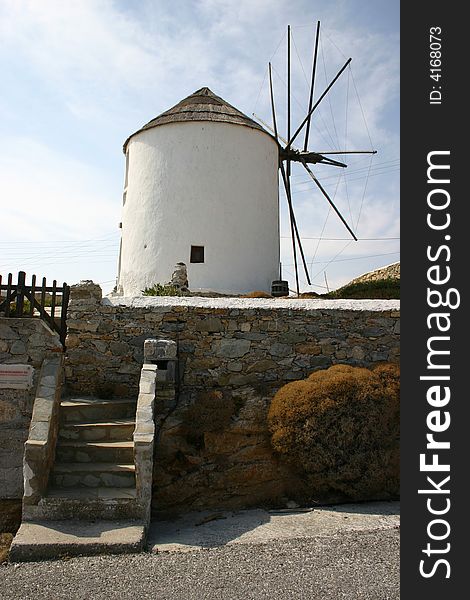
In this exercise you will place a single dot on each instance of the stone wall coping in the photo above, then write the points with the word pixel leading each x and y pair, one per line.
pixel 144 435
pixel 40 445
pixel 310 304
pixel 33 323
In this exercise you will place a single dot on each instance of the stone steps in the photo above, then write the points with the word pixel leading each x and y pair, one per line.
pixel 87 504
pixel 55 539
pixel 86 410
pixel 113 429
pixel 94 472
pixel 93 475
pixel 119 452
pixel 98 493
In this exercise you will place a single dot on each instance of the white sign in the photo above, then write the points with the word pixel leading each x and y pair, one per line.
pixel 16 377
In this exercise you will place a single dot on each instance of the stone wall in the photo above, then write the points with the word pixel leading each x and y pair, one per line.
pixel 22 341
pixel 212 447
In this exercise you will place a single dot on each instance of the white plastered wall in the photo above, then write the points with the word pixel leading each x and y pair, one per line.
pixel 203 184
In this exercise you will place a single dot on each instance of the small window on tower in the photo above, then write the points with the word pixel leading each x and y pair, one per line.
pixel 197 254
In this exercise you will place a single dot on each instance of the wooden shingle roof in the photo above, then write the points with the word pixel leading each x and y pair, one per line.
pixel 202 105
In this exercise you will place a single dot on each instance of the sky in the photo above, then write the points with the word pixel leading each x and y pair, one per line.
pixel 78 77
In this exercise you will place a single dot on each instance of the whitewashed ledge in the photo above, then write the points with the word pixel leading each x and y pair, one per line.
pixel 251 303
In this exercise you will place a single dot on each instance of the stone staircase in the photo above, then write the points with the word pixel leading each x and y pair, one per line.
pixel 88 465
pixel 91 503
pixel 94 470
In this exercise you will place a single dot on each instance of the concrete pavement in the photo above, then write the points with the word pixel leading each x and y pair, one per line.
pixel 212 529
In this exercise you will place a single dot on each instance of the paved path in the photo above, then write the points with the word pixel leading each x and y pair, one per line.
pixel 216 528
pixel 324 556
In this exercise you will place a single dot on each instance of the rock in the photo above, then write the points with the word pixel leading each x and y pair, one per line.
pixel 83 325
pixel 320 361
pixel 235 366
pixel 211 325
pixel 308 348
pixel 253 337
pixel 280 350
pixel 372 332
pixel 160 349
pixel 232 348
pixel 379 356
pixel 204 363
pixel 179 278
pixel 8 412
pixel 100 345
pixel 85 290
pixel 7 333
pixel 18 347
pixel 261 366
pixel 294 338
pixel 390 271
pixel 72 340
pixel 10 515
pixel 357 352
pixel 118 348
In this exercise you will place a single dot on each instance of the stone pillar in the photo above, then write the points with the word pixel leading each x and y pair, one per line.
pixel 163 354
pixel 179 278
pixel 86 292
pixel 156 390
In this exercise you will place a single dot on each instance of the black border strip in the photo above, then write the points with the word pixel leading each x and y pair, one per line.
pixel 427 128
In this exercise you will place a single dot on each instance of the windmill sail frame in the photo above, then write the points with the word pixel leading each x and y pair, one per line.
pixel 305 157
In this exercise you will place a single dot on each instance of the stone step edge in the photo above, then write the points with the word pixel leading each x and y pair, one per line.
pixel 94 444
pixel 125 421
pixel 101 467
pixel 64 495
pixel 39 540
pixel 83 402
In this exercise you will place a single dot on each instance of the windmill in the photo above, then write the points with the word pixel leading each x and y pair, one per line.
pixel 288 153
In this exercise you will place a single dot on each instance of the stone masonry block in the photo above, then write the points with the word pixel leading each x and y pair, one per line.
pixel 159 350
pixel 232 348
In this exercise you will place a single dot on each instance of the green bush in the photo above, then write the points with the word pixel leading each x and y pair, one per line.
pixel 341 427
pixel 380 289
pixel 162 290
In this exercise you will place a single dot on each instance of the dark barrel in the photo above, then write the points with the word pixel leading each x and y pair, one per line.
pixel 279 288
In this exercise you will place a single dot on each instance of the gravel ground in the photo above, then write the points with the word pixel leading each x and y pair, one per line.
pixel 361 565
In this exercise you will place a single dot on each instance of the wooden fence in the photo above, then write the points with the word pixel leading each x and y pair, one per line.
pixel 46 302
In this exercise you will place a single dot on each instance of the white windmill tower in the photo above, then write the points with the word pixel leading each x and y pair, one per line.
pixel 201 188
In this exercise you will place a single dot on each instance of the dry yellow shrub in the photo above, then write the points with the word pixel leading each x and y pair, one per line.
pixel 341 425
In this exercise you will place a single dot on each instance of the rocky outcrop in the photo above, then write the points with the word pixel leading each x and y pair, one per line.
pixel 389 272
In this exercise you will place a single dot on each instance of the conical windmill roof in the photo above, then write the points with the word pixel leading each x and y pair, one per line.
pixel 202 105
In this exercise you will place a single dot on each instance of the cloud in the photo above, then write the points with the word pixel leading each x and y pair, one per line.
pixel 61 216
pixel 50 194
pixel 94 71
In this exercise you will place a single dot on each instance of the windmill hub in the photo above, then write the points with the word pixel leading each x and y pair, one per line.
pixel 304 156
